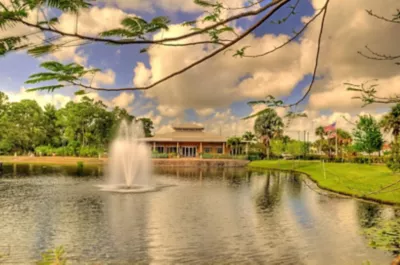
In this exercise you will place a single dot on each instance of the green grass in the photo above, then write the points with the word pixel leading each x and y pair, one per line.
pixel 359 180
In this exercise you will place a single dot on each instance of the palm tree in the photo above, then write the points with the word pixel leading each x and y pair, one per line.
pixel 391 122
pixel 235 143
pixel 267 126
pixel 319 131
pixel 344 139
pixel 249 136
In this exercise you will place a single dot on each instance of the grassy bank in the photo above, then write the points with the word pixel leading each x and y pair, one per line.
pixel 48 160
pixel 374 182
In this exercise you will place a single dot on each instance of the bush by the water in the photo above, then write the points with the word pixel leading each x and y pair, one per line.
pixel 159 155
pixel 69 150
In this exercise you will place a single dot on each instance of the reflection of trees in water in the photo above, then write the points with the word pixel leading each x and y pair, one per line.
pixel 29 170
pixel 272 192
pixel 233 176
pixel 368 214
pixel 294 183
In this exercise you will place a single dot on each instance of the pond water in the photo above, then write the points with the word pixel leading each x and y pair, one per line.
pixel 230 216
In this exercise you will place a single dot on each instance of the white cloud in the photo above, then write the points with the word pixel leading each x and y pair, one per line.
pixel 155 118
pixel 106 77
pixel 205 112
pixel 90 22
pixel 348 29
pixel 216 83
pixel 169 111
pixel 123 100
pixel 42 99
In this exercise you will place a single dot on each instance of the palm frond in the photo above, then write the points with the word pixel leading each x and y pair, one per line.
pixel 42 50
pixel 45 88
pixel 261 112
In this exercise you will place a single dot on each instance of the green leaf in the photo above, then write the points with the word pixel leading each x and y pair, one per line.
pixel 144 50
pixel 204 3
pixel 41 50
pixel 80 92
pixel 52 21
pixel 118 33
pixel 44 88
pixel 64 5
pixel 189 23
pixel 257 114
pixel 52 66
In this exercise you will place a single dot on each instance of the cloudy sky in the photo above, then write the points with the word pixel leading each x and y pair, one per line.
pixel 215 93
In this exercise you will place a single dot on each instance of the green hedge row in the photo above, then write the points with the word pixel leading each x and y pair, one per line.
pixel 86 151
pixel 352 159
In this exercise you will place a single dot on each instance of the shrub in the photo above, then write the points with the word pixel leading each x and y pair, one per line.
pixel 88 151
pixel 172 155
pixel 155 154
pixel 44 150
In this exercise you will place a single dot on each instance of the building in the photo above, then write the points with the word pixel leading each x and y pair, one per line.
pixel 188 140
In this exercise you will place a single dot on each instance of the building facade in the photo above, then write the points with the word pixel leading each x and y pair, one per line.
pixel 188 140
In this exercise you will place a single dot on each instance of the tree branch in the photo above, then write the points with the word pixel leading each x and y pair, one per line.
pixel 128 41
pixel 243 35
pixel 289 40
pixel 325 8
pixel 394 20
pixel 378 56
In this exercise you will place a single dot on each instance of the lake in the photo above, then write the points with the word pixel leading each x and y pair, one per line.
pixel 224 216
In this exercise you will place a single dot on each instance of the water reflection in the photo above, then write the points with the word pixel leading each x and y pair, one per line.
pixel 210 216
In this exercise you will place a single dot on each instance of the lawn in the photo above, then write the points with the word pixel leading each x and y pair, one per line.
pixel 375 182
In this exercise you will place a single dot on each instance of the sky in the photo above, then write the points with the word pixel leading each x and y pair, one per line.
pixel 215 94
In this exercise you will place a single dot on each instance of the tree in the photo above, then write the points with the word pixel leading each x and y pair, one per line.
pixel 278 147
pixel 24 125
pixel 249 136
pixel 137 31
pixel 391 122
pixel 367 135
pixel 147 127
pixel 51 128
pixel 295 148
pixel 320 131
pixel 344 139
pixel 234 143
pixel 267 126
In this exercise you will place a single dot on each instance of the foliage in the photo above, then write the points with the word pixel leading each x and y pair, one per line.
pixel 385 235
pixel 394 159
pixel 278 147
pixel 235 143
pixel 223 156
pixel 70 73
pixel 249 136
pixel 295 148
pixel 267 126
pixel 147 126
pixel 81 128
pixel 367 135
pixel 155 154
pixel 53 257
pixel 391 122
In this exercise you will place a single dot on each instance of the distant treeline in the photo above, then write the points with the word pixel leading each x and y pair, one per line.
pixel 82 128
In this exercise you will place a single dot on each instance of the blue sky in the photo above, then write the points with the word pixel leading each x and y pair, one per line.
pixel 122 60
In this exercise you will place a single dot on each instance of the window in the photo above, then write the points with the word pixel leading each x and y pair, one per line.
pixel 219 150
pixel 207 150
pixel 171 150
pixel 160 149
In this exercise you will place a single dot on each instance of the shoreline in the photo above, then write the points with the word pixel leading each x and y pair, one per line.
pixel 162 162
pixel 328 185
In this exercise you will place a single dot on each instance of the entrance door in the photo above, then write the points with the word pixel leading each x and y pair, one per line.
pixel 189 151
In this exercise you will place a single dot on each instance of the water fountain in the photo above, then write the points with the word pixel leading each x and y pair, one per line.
pixel 129 168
